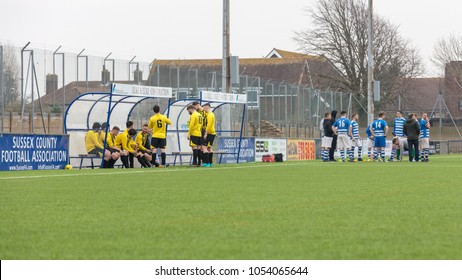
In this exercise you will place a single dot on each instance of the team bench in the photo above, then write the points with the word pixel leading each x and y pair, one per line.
pixel 190 154
pixel 91 157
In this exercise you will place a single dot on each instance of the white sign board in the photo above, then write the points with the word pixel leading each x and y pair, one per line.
pixel 270 146
pixel 212 96
pixel 138 90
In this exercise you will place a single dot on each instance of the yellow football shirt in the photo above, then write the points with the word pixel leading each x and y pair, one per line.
pixel 158 124
pixel 92 141
pixel 195 124
pixel 211 123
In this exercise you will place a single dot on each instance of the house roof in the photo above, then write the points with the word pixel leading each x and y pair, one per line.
pixel 422 94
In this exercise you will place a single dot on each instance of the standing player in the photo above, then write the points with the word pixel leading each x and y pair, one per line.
pixel 194 133
pixel 398 127
pixel 202 112
pixel 158 124
pixel 356 138
pixel 327 138
pixel 424 138
pixel 342 127
pixel 209 137
pixel 379 130
pixel 370 143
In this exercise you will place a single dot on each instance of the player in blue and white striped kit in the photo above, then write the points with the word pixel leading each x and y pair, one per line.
pixel 342 127
pixel 356 140
pixel 424 138
pixel 379 130
pixel 398 132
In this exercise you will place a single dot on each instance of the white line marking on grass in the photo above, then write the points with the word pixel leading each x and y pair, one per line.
pixel 231 167
pixel 142 171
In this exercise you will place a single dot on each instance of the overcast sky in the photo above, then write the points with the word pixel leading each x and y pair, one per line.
pixel 192 28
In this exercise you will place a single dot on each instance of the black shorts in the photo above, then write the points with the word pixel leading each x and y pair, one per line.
pixel 209 140
pixel 195 141
pixel 159 143
pixel 113 150
pixel 96 151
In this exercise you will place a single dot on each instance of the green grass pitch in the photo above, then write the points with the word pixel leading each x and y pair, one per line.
pixel 294 210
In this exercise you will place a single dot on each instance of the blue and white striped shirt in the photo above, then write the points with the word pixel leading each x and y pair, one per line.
pixel 378 126
pixel 343 125
pixel 398 127
pixel 424 131
pixel 355 130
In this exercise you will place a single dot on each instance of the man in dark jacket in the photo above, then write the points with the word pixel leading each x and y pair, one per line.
pixel 328 134
pixel 334 138
pixel 412 130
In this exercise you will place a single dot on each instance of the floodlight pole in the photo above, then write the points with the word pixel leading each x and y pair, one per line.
pixel 226 67
pixel 370 65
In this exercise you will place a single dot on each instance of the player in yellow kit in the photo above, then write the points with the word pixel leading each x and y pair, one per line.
pixel 209 136
pixel 144 147
pixel 124 141
pixel 194 132
pixel 202 112
pixel 93 144
pixel 158 124
pixel 112 148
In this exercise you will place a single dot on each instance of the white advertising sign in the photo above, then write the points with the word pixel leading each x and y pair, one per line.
pixel 161 92
pixel 223 97
pixel 270 146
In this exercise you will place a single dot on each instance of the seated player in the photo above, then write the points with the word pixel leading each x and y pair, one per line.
pixel 194 133
pixel 144 148
pixel 124 141
pixel 112 148
pixel 158 123
pixel 209 136
pixel 93 144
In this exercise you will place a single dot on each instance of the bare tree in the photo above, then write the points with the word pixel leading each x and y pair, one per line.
pixel 11 75
pixel 339 33
pixel 446 53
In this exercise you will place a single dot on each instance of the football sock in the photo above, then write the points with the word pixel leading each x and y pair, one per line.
pixel 163 158
pixel 195 153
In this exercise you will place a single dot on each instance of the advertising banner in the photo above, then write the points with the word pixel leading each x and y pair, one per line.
pixel 231 145
pixel 298 149
pixel 161 92
pixel 270 146
pixel 33 152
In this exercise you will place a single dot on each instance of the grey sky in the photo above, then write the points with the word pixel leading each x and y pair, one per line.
pixel 192 28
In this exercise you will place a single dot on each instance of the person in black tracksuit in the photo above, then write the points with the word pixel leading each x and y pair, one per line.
pixel 412 130
pixel 334 140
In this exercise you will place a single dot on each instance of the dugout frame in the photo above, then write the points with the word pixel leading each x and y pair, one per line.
pixel 114 108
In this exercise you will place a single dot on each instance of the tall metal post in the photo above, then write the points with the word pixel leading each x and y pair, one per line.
pixel 86 70
pixel 226 78
pixel 370 65
pixel 129 68
pixel 54 73
pixel 23 98
pixel 32 126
